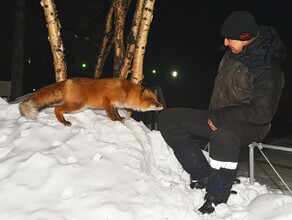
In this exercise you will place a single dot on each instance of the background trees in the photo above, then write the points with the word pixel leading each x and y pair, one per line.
pixel 114 38
pixel 184 36
pixel 114 33
pixel 133 52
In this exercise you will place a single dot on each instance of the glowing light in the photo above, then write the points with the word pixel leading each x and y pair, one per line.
pixel 83 65
pixel 153 71
pixel 174 74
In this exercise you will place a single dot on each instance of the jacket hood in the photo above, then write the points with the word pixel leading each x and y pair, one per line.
pixel 267 45
pixel 269 39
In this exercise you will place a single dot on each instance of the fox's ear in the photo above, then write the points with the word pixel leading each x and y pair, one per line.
pixel 145 92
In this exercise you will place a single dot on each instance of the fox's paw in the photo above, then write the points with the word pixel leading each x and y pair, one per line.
pixel 67 123
pixel 121 119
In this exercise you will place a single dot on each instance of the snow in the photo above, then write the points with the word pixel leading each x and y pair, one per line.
pixel 98 169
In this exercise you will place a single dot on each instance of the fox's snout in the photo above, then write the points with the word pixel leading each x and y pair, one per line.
pixel 159 106
pixel 154 106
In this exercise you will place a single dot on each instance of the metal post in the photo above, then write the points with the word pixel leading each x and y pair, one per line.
pixel 251 163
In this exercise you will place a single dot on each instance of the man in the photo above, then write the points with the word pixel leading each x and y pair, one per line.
pixel 245 98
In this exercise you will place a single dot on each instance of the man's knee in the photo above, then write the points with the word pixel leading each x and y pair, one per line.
pixel 166 117
pixel 225 145
pixel 225 138
pixel 163 120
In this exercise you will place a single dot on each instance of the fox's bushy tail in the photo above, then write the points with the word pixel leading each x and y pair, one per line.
pixel 29 108
pixel 51 94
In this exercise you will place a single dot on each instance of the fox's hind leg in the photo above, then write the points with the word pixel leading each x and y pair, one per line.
pixel 66 108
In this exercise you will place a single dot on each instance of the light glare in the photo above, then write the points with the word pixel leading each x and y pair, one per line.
pixel 174 74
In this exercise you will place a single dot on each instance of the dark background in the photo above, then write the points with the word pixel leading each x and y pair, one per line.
pixel 184 36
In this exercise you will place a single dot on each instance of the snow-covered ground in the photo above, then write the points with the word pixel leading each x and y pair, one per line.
pixel 98 169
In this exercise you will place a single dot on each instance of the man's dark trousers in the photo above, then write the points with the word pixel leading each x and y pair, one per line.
pixel 178 127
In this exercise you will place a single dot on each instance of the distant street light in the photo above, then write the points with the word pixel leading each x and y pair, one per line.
pixel 174 74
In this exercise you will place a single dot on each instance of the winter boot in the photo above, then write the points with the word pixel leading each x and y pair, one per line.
pixel 218 188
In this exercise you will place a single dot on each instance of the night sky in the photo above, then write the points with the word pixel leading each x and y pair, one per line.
pixel 184 37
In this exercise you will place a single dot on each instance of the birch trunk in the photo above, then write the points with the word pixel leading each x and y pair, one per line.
pixel 132 39
pixel 120 15
pixel 107 42
pixel 137 75
pixel 55 40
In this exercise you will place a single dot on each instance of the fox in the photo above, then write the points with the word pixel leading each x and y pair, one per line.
pixel 76 94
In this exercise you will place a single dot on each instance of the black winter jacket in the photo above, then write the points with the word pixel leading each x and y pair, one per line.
pixel 248 85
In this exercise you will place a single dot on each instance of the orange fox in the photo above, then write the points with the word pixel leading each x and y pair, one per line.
pixel 76 94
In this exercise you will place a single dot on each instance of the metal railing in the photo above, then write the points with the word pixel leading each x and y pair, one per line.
pixel 260 146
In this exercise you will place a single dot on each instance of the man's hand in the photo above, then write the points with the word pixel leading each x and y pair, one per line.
pixel 211 125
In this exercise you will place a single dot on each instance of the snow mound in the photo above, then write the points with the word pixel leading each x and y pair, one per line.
pixel 100 169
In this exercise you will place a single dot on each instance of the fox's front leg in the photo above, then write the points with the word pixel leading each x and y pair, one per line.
pixel 114 115
pixel 117 115
pixel 112 112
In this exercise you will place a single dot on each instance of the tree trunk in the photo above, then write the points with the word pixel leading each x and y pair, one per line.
pixel 133 57
pixel 107 42
pixel 132 39
pixel 137 75
pixel 18 50
pixel 120 16
pixel 55 40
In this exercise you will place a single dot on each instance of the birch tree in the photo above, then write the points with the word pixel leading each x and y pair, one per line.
pixel 137 72
pixel 120 16
pixel 132 39
pixel 54 37
pixel 107 42
pixel 129 59
pixel 113 35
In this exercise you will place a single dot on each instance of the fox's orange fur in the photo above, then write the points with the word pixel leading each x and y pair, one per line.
pixel 76 94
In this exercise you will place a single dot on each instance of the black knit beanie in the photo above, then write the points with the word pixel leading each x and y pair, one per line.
pixel 239 25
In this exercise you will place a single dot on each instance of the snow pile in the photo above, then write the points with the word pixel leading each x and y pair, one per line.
pixel 100 169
